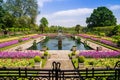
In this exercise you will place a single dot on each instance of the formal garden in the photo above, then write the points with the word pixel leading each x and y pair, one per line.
pixel 27 45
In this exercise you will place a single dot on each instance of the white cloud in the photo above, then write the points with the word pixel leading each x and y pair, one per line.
pixel 41 2
pixel 67 17
pixel 115 7
pixel 75 12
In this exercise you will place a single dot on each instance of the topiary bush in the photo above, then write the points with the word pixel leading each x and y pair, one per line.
pixel 91 63
pixel 81 59
pixel 31 62
pixel 37 58
pixel 46 53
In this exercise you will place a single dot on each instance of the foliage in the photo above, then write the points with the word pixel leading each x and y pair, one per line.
pixel 78 40
pixel 77 28
pixel 46 53
pixel 118 43
pixel 20 8
pixel 81 59
pixel 102 62
pixel 73 53
pixel 102 34
pixel 101 16
pixel 16 62
pixel 37 59
pixel 2 12
pixel 44 23
pixel 75 62
pixel 116 30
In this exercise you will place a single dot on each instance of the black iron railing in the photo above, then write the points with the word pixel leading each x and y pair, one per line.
pixel 57 74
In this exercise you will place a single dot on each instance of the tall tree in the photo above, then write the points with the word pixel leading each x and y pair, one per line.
pixel 77 28
pixel 20 8
pixel 101 16
pixel 44 23
pixel 2 12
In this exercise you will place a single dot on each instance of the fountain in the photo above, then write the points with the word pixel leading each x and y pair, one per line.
pixel 60 37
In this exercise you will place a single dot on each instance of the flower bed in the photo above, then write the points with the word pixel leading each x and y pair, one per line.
pixel 16 62
pixel 4 44
pixel 108 42
pixel 99 54
pixel 19 54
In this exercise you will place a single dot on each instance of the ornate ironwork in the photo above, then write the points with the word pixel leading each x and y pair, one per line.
pixel 57 74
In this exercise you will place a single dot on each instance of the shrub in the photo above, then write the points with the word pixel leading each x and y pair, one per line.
pixel 78 40
pixel 73 53
pixel 91 63
pixel 102 34
pixel 31 62
pixel 81 59
pixel 46 53
pixel 37 59
pixel 118 43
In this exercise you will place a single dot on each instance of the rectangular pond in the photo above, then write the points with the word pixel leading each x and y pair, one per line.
pixel 65 44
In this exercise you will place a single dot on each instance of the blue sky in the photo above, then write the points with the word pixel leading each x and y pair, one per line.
pixel 68 13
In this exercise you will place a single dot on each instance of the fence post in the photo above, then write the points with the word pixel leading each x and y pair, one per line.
pixel 25 72
pixel 86 72
pixel 19 72
pixel 56 68
pixel 92 72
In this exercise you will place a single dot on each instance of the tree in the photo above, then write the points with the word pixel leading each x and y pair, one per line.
pixel 20 8
pixel 77 28
pixel 101 16
pixel 2 12
pixel 44 23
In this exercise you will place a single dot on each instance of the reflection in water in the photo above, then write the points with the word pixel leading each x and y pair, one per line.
pixel 67 44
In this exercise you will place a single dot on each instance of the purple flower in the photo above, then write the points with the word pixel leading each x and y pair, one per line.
pixel 19 54
pixel 99 54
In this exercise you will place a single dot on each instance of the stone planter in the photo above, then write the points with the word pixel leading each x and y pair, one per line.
pixel 74 48
pixel 38 65
pixel 73 56
pixel 81 65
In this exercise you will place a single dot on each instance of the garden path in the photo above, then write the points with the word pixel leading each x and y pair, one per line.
pixel 59 56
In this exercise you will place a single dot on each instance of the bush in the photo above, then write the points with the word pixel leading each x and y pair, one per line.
pixel 91 63
pixel 46 53
pixel 73 53
pixel 78 40
pixel 101 34
pixel 118 43
pixel 81 59
pixel 31 62
pixel 37 59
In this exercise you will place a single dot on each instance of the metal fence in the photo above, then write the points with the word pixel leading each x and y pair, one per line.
pixel 57 74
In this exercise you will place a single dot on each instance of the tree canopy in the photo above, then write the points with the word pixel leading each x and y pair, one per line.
pixel 77 28
pixel 101 16
pixel 44 23
pixel 2 12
